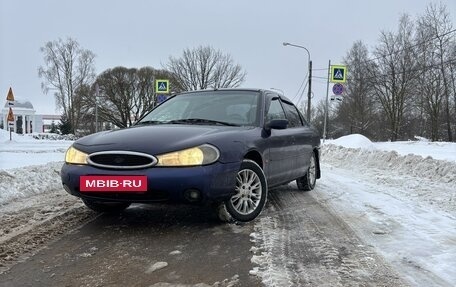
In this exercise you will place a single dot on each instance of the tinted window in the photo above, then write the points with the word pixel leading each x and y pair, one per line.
pixel 294 120
pixel 303 119
pixel 275 111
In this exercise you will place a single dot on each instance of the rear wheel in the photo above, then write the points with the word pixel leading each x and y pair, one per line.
pixel 307 182
pixel 108 207
pixel 250 195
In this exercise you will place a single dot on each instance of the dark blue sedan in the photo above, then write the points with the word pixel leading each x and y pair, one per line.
pixel 223 147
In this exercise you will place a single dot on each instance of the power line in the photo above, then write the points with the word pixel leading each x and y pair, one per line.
pixel 390 54
pixel 434 66
pixel 317 77
pixel 302 83
pixel 412 70
pixel 302 93
pixel 409 47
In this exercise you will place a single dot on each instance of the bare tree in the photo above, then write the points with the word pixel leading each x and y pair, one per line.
pixel 205 67
pixel 452 66
pixel 66 68
pixel 356 112
pixel 393 75
pixel 126 95
pixel 429 81
pixel 412 78
pixel 437 22
pixel 85 106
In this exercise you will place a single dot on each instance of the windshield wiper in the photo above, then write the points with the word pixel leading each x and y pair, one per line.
pixel 201 121
pixel 150 123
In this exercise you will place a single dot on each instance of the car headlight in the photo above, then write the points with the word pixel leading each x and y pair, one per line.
pixel 200 155
pixel 75 156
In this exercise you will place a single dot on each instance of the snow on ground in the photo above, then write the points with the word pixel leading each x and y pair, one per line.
pixel 402 204
pixel 24 150
pixel 422 147
pixel 399 197
pixel 405 206
pixel 437 150
pixel 29 166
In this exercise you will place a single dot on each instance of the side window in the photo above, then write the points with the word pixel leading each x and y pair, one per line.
pixel 294 120
pixel 303 119
pixel 275 111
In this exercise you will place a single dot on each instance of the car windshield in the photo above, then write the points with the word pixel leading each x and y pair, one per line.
pixel 233 108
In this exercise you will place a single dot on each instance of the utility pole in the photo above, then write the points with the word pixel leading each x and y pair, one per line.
pixel 327 102
pixel 309 91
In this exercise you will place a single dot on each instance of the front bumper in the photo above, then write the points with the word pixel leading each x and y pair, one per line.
pixel 214 182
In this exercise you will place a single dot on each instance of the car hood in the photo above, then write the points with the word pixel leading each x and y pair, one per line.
pixel 158 139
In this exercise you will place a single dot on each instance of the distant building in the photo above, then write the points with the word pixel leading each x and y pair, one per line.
pixel 26 120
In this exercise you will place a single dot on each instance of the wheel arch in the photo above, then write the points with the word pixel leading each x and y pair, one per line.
pixel 254 156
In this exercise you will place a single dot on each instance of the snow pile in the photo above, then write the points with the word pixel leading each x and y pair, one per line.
pixel 353 141
pixel 427 168
pixel 23 182
pixel 422 146
pixel 5 137
pixel 425 181
pixel 437 150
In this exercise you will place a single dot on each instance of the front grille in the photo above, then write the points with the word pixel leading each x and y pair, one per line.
pixel 121 160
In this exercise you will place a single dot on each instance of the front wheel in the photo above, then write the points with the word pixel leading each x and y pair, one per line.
pixel 250 196
pixel 108 207
pixel 307 182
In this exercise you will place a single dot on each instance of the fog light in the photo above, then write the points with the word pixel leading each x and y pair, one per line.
pixel 192 195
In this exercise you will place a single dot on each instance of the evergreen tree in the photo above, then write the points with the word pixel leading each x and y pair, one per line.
pixel 54 129
pixel 65 125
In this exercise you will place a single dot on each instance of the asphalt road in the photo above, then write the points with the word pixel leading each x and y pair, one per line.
pixel 168 245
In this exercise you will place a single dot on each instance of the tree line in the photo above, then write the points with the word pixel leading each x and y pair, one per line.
pixel 119 95
pixel 404 87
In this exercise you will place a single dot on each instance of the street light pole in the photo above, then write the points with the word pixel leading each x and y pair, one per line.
pixel 309 91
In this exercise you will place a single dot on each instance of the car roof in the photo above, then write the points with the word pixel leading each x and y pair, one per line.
pixel 222 89
pixel 237 90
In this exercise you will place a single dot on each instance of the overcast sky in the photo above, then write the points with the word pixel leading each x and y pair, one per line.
pixel 138 33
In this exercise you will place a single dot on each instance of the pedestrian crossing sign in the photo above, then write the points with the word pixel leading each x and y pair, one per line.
pixel 162 86
pixel 338 74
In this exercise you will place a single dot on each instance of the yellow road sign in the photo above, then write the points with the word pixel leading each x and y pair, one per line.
pixel 10 96
pixel 10 115
pixel 338 74
pixel 162 86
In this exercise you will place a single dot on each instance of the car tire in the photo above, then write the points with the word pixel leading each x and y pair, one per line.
pixel 107 207
pixel 250 197
pixel 307 182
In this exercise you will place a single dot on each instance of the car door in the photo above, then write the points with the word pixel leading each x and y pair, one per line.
pixel 280 142
pixel 302 135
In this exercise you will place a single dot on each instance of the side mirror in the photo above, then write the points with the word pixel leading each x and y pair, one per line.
pixel 276 124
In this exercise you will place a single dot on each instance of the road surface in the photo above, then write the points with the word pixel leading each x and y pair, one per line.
pixel 58 242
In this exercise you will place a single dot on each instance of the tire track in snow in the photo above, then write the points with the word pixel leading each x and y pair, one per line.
pixel 298 242
pixel 29 224
pixel 415 239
